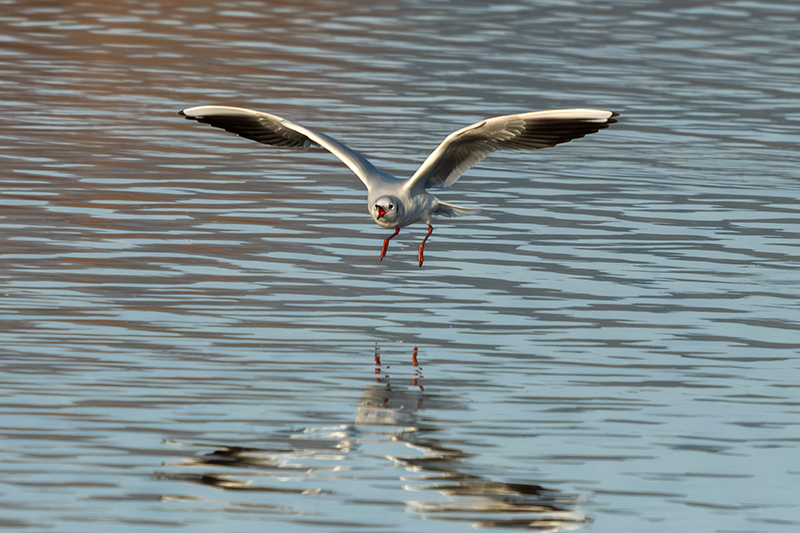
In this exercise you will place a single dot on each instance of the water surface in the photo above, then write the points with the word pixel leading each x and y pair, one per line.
pixel 197 333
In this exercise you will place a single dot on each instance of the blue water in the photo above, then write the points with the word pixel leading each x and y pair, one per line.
pixel 196 332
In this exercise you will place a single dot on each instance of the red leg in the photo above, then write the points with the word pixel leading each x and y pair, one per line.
pixel 422 246
pixel 417 375
pixel 386 243
pixel 378 363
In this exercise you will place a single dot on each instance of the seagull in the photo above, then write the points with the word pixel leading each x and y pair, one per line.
pixel 393 202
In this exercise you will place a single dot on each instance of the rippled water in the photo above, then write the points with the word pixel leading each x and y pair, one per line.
pixel 196 331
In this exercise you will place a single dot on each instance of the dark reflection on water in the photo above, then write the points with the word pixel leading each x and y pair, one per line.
pixel 619 326
pixel 314 461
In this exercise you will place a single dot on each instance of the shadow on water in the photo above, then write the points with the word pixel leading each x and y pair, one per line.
pixel 323 462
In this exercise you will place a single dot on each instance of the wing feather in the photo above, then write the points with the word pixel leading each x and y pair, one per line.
pixel 276 131
pixel 526 131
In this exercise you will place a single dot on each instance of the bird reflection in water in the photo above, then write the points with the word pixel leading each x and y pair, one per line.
pixel 310 461
pixel 441 468
pixel 388 406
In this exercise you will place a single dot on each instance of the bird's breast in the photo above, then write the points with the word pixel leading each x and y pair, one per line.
pixel 419 208
pixel 382 222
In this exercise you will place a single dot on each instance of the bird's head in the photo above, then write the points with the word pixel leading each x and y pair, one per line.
pixel 386 210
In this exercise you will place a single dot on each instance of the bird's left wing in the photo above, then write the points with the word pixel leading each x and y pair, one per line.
pixel 525 131
pixel 276 131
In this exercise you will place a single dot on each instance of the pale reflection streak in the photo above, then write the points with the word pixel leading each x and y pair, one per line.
pixel 316 460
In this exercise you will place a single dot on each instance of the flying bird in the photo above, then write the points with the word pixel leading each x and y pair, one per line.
pixel 395 203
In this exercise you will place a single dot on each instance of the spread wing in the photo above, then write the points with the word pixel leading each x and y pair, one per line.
pixel 526 131
pixel 276 131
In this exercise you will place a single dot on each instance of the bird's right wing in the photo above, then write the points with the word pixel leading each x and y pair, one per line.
pixel 276 131
pixel 525 131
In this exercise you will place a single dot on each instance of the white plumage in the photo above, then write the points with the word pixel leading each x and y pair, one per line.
pixel 396 203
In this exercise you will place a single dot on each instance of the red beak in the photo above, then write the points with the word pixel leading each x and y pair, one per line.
pixel 381 211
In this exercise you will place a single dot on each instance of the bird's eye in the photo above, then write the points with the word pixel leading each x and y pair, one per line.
pixel 391 206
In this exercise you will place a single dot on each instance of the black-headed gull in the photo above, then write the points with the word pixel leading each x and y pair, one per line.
pixel 397 203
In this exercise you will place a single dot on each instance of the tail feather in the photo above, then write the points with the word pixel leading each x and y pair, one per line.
pixel 450 210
